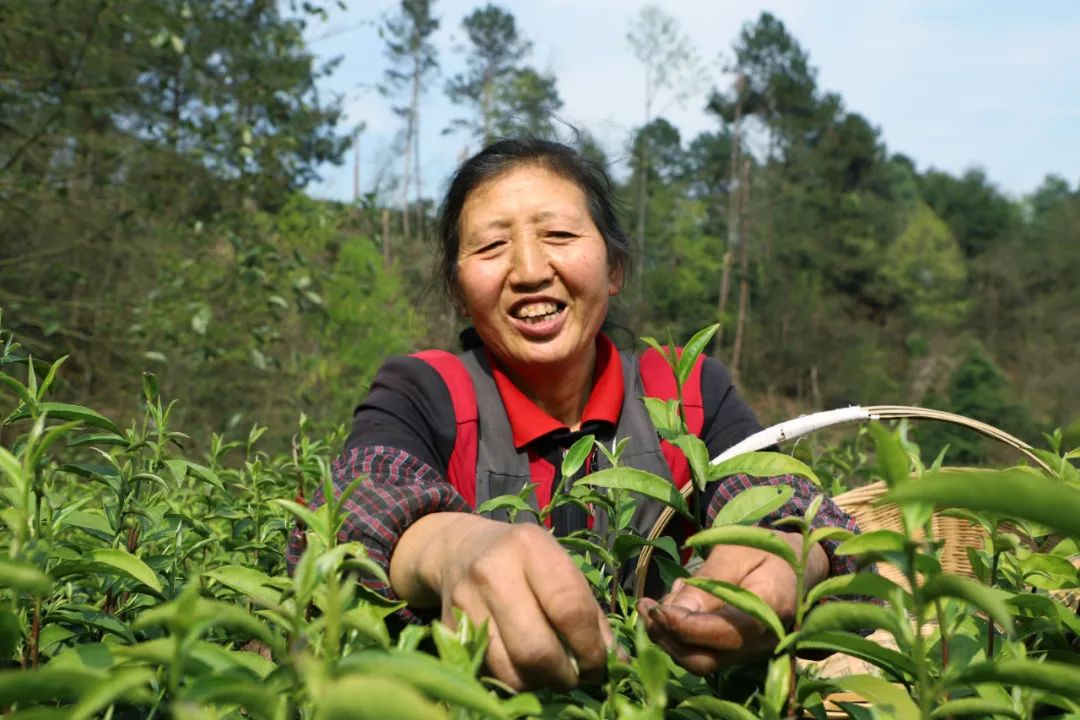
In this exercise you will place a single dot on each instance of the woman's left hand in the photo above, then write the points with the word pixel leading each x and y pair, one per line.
pixel 702 633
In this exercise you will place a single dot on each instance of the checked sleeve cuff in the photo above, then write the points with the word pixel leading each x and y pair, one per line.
pixel 400 489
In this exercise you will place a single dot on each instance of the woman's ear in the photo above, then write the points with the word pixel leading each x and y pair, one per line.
pixel 616 275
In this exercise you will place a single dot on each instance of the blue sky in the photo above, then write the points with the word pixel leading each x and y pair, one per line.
pixel 994 84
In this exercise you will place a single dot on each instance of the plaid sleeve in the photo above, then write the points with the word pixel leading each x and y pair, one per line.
pixel 400 489
pixel 830 515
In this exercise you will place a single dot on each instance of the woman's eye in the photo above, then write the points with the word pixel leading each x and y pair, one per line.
pixel 559 234
pixel 491 246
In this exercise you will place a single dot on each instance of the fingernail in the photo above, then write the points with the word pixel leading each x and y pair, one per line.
pixel 677 586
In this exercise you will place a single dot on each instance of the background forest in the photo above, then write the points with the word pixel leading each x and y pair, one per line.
pixel 154 156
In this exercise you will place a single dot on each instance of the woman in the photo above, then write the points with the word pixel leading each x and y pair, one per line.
pixel 532 252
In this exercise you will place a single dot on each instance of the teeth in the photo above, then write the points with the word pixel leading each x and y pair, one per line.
pixel 537 310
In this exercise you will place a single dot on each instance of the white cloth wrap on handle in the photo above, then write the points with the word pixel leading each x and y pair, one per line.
pixel 796 428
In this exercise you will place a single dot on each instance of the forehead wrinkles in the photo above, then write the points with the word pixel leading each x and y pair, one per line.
pixel 501 202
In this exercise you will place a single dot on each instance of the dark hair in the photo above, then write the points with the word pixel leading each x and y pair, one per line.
pixel 505 155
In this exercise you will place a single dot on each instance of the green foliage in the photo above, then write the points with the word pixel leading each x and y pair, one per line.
pixel 136 581
pixel 980 390
pixel 925 266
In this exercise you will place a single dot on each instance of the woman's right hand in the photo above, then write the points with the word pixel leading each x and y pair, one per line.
pixel 545 626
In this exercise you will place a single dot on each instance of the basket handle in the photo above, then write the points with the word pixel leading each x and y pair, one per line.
pixel 805 424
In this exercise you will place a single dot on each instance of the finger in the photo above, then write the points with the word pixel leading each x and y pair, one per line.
pixel 698 660
pixel 727 563
pixel 499 663
pixel 535 650
pixel 727 629
pixel 563 595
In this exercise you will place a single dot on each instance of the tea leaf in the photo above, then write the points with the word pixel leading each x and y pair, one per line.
pixel 427 674
pixel 18 388
pixel 126 564
pixel 653 670
pixel 875 541
pixel 576 456
pixel 865 584
pixel 979 707
pixel 762 465
pixel 46 684
pixel 1050 676
pixel 697 455
pixel 23 577
pixel 247 581
pixel 230 690
pixel 893 463
pixel 76 413
pixel 752 504
pixel 379 698
pixel 754 537
pixel 641 482
pixel 989 600
pixel 692 350
pixel 502 502
pixel 857 646
pixel 716 708
pixel 1015 493
pixel 743 599
pixel 849 616
pixel 119 684
pixel 626 546
pixel 882 694
pixel 583 546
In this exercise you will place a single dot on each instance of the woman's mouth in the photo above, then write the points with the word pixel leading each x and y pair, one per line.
pixel 536 313
pixel 539 319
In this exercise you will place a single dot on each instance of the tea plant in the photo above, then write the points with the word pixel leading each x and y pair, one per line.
pixel 139 581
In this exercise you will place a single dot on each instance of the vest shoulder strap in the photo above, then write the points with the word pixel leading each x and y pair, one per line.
pixel 461 468
pixel 658 380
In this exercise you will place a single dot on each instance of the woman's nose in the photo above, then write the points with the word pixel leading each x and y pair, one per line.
pixel 530 264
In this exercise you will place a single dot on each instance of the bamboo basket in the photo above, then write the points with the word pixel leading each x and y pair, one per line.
pixel 955 534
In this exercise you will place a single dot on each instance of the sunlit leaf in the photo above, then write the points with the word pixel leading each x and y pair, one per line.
pixel 716 708
pixel 762 465
pixel 752 504
pixel 743 599
pixel 639 481
pixel 117 561
pixel 1052 677
pixel 882 694
pixel 974 707
pixel 754 537
pixel 75 413
pixel 990 600
pixel 577 454
pixel 1014 493
pixel 356 697
pixel 857 646
pixel 428 675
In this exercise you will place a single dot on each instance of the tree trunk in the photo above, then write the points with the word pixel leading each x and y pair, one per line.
pixel 744 273
pixel 485 106
pixel 405 178
pixel 732 210
pixel 386 238
pixel 356 167
pixel 416 147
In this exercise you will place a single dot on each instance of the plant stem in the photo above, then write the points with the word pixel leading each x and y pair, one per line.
pixel 794 711
pixel 992 630
pixel 944 634
pixel 35 634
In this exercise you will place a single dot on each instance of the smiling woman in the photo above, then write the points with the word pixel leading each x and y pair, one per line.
pixel 531 253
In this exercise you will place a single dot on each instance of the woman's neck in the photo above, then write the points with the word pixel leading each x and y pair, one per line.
pixel 562 392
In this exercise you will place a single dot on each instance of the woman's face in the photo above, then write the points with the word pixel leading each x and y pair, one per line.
pixel 533 273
